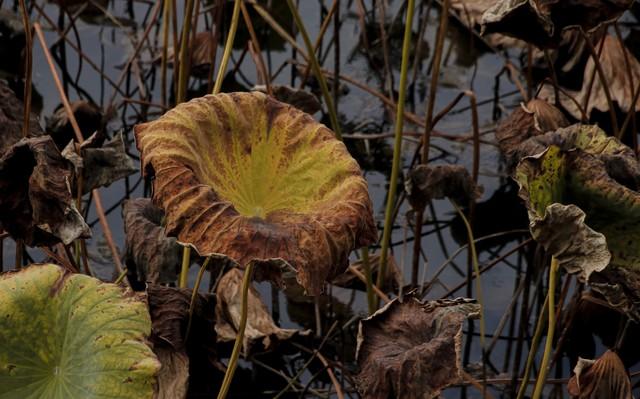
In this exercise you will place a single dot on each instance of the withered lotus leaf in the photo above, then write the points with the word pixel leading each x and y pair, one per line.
pixel 36 204
pixel 261 332
pixel 100 164
pixel 154 256
pixel 533 119
pixel 614 67
pixel 88 115
pixel 470 13
pixel 583 200
pixel 244 176
pixel 605 377
pixel 350 280
pixel 427 182
pixel 180 358
pixel 541 22
pixel 299 98
pixel 11 118
pixel 411 350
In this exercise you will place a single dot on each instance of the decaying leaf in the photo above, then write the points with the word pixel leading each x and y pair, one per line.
pixel 56 324
pixel 605 377
pixel 409 349
pixel 261 332
pixel 303 100
pixel 100 164
pixel 349 280
pixel 36 204
pixel 155 256
pixel 541 22
pixel 88 115
pixel 591 188
pixel 169 309
pixel 425 183
pixel 11 118
pixel 202 47
pixel 614 67
pixel 244 176
pixel 533 119
pixel 470 13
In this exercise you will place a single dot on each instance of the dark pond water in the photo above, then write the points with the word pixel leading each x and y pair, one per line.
pixel 110 44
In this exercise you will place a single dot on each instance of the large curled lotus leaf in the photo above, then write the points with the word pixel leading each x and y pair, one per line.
pixel 605 377
pixel 581 199
pixel 68 336
pixel 411 350
pixel 244 176
pixel 541 22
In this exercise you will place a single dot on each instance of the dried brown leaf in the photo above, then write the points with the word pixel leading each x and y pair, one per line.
pixel 11 119
pixel 244 176
pixel 470 13
pixel 88 115
pixel 605 377
pixel 542 22
pixel 261 332
pixel 173 377
pixel 426 182
pixel 409 349
pixel 391 284
pixel 155 256
pixel 614 67
pixel 303 100
pixel 100 164
pixel 36 204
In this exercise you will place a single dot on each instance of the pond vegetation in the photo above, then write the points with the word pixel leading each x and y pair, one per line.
pixel 331 198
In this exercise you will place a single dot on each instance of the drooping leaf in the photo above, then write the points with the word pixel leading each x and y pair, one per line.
pixel 247 177
pixel 100 164
pixel 581 196
pixel 181 358
pixel 470 14
pixel 68 336
pixel 155 256
pixel 36 204
pixel 541 22
pixel 88 115
pixel 299 98
pixel 614 66
pixel 409 349
pixel 533 119
pixel 11 118
pixel 261 332
pixel 605 377
pixel 426 182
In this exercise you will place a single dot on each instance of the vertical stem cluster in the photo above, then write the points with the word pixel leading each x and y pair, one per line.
pixel 397 146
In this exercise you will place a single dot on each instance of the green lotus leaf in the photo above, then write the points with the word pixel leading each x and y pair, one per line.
pixel 244 176
pixel 67 336
pixel 584 208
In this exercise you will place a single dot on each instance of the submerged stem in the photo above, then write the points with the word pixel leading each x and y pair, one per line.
pixel 397 147
pixel 237 346
pixel 551 326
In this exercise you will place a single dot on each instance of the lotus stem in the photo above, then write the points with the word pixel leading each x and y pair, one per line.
pixel 237 347
pixel 317 71
pixel 532 351
pixel 366 265
pixel 166 15
pixel 27 67
pixel 183 76
pixel 397 147
pixel 194 293
pixel 184 270
pixel 228 46
pixel 476 271
pixel 551 326
pixel 120 277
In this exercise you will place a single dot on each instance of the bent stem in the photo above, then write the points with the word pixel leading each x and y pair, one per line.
pixel 194 293
pixel 228 46
pixel 476 271
pixel 397 146
pixel 237 347
pixel 184 271
pixel 551 326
